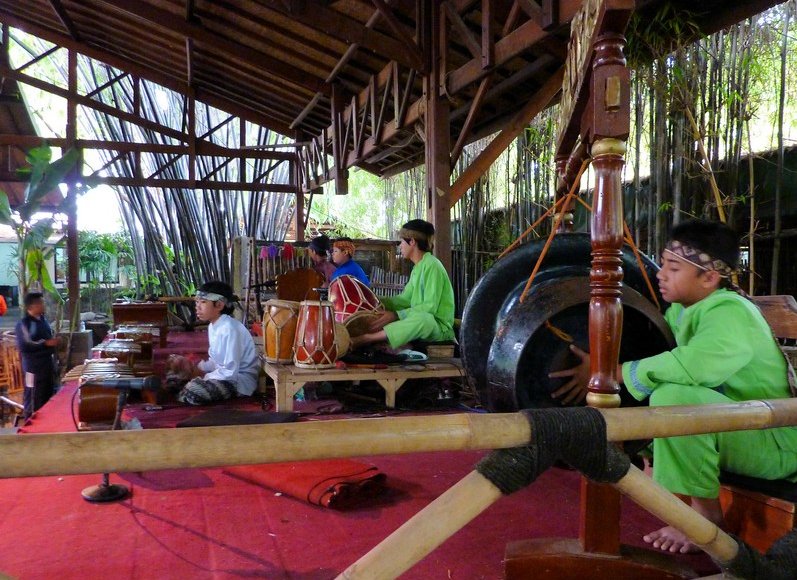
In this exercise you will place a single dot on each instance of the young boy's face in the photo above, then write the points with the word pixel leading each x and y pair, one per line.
pixel 208 310
pixel 684 283
pixel 339 257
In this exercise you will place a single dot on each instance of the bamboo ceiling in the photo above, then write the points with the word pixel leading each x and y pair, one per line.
pixel 285 64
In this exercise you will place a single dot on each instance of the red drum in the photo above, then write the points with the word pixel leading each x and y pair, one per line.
pixel 350 296
pixel 316 345
pixel 279 324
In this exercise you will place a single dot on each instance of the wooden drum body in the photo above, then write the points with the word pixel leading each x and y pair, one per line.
pixel 349 296
pixel 315 346
pixel 279 328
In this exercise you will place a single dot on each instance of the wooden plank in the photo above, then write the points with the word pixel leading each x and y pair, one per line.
pixel 780 311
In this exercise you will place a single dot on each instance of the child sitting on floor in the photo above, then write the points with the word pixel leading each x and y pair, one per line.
pixel 725 353
pixel 232 366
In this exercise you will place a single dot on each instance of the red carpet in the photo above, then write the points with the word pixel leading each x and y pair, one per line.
pixel 205 524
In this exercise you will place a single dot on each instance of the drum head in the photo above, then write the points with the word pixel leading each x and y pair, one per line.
pixel 360 322
pixel 289 304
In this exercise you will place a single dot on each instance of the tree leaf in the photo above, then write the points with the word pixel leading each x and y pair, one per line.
pixel 45 178
pixel 5 209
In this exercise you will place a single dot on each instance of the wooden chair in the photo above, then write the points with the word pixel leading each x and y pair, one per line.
pixel 11 374
pixel 298 284
pixel 757 510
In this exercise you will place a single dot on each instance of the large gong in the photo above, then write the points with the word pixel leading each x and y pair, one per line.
pixel 509 347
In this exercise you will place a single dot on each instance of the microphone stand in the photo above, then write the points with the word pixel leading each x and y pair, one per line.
pixel 107 491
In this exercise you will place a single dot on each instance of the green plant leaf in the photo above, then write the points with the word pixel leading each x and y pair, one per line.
pixel 5 209
pixel 46 177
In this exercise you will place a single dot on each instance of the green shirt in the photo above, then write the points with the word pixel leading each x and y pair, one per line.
pixel 428 290
pixel 723 342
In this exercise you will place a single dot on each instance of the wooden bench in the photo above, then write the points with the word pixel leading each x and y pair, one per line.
pixel 288 379
pixel 756 510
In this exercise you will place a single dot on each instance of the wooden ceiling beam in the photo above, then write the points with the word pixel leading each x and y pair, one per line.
pixel 199 33
pixel 404 36
pixel 349 30
pixel 59 10
pixel 250 114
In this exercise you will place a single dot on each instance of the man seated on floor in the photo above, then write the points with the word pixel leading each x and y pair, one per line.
pixel 343 258
pixel 725 353
pixel 232 366
pixel 425 308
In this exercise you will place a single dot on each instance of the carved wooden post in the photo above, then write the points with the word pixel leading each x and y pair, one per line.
pixel 611 117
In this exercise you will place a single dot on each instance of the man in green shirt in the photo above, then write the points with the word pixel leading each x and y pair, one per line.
pixel 425 308
pixel 725 353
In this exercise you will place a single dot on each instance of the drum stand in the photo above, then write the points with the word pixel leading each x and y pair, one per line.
pixel 106 491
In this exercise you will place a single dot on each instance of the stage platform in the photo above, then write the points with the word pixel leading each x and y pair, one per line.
pixel 204 524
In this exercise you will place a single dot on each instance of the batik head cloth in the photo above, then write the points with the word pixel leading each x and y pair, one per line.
pixel 698 258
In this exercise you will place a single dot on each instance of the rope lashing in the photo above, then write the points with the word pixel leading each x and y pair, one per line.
pixel 575 436
pixel 779 563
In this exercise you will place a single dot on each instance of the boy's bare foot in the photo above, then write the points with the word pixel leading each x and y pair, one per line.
pixel 669 539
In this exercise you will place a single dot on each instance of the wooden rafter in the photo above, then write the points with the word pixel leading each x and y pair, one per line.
pixel 139 70
pixel 347 29
pixel 58 8
pixel 402 34
pixel 199 33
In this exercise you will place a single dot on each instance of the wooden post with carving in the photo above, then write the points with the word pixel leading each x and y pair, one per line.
pixel 594 121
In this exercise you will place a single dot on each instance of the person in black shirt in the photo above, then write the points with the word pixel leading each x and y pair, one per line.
pixel 36 346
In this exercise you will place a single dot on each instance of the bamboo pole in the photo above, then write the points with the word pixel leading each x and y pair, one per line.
pixel 109 451
pixel 131 451
pixel 424 532
pixel 668 508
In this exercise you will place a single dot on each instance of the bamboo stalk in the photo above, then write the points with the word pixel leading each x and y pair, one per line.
pixel 426 530
pixel 668 508
pixel 473 494
pixel 115 451
pixel 97 452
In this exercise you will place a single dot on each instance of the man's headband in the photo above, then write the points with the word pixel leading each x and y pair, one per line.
pixel 344 246
pixel 412 234
pixel 698 258
pixel 212 296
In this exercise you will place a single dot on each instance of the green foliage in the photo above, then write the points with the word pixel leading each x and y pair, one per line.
pixel 44 176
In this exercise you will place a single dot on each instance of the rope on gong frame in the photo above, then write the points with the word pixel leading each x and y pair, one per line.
pixel 562 202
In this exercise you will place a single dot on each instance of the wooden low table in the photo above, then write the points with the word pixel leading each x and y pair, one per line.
pixel 288 379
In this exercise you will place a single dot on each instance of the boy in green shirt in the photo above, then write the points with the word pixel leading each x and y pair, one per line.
pixel 425 308
pixel 725 353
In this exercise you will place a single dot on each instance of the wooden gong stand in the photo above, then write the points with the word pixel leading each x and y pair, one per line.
pixel 595 121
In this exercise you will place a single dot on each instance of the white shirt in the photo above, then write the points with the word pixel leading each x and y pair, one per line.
pixel 232 355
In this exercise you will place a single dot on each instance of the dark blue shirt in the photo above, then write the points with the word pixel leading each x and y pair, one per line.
pixel 351 268
pixel 31 333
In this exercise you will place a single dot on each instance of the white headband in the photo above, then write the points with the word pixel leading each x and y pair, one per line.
pixel 212 296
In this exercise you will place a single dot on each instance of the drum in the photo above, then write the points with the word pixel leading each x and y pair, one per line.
pixel 350 296
pixel 315 345
pixel 342 339
pixel 359 323
pixel 279 323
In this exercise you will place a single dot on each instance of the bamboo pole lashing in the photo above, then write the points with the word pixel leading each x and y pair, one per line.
pixel 98 452
pixel 473 494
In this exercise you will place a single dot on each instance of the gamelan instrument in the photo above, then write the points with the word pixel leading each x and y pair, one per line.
pixel 316 344
pixel 516 344
pixel 97 403
pixel 279 328
pixel 350 296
